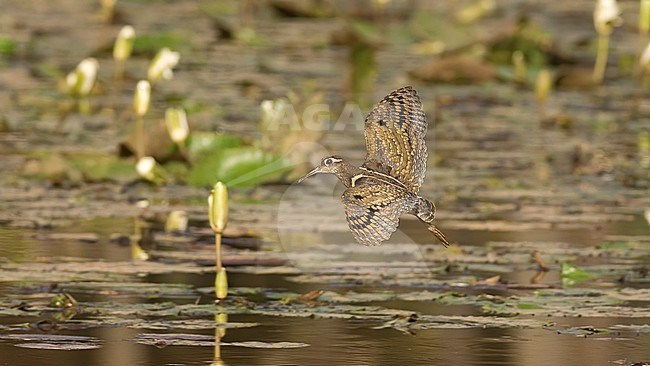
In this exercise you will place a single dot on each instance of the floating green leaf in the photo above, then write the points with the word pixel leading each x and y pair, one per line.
pixel 7 46
pixel 572 275
pixel 202 143
pixel 149 44
pixel 240 166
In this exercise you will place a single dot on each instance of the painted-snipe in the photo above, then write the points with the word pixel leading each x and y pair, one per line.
pixel 386 185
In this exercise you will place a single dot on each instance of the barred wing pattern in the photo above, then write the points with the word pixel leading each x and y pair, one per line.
pixel 373 210
pixel 394 133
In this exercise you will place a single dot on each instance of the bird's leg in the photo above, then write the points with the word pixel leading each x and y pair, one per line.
pixel 425 210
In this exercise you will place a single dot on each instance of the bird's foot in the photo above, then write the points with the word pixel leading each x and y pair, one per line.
pixel 439 235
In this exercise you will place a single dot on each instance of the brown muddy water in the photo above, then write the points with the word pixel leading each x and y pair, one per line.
pixel 568 179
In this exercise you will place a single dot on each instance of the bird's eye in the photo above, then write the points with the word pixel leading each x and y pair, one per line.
pixel 328 161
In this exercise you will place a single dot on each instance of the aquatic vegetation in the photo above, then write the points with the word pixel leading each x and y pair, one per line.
pixel 572 275
pixel 218 215
pixel 150 170
pixel 606 17
pixel 644 18
pixel 7 47
pixel 122 49
pixel 177 127
pixel 536 44
pixel 161 66
pixel 508 188
pixel 519 63
pixel 81 81
pixel 107 10
pixel 141 103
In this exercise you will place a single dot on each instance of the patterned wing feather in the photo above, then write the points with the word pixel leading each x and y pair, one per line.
pixel 394 131
pixel 373 211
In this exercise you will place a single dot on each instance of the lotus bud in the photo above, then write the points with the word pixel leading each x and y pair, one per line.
pixel 644 17
pixel 81 81
pixel 221 284
pixel 124 43
pixel 176 221
pixel 218 206
pixel 162 64
pixel 177 127
pixel 142 98
pixel 543 85
pixel 606 16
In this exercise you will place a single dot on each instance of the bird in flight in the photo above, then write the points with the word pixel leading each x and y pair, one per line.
pixel 386 185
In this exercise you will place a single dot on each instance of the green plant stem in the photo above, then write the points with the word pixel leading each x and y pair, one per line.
pixel 217 244
pixel 139 137
pixel 183 150
pixel 601 59
pixel 119 70
pixel 84 106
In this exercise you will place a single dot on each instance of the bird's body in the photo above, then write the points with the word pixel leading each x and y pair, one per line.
pixel 387 184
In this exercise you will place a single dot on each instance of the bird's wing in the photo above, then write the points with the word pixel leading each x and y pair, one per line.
pixel 394 132
pixel 373 210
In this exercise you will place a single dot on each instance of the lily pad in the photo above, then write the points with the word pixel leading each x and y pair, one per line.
pixel 572 275
pixel 239 166
pixel 201 143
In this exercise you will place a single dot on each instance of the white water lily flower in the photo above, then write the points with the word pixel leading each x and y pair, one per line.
pixel 81 81
pixel 162 64
pixel 142 98
pixel 124 43
pixel 606 16
pixel 145 167
pixel 176 122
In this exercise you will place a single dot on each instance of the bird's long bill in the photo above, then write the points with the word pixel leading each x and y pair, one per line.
pixel 313 172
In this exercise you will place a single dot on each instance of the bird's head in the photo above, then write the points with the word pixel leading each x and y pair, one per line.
pixel 330 164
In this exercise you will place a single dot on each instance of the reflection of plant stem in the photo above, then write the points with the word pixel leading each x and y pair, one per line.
pixel 541 111
pixel 139 137
pixel 601 58
pixel 68 107
pixel 84 106
pixel 217 348
pixel 219 332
